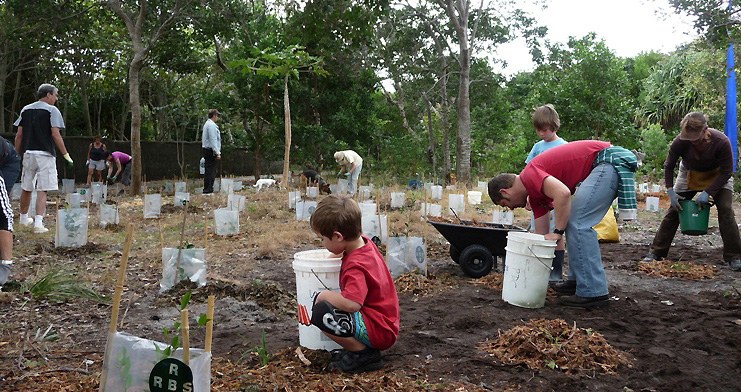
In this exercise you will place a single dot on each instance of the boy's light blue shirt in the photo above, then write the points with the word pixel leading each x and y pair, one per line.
pixel 542 146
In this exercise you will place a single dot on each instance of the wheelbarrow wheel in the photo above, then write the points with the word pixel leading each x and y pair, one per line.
pixel 476 261
pixel 455 254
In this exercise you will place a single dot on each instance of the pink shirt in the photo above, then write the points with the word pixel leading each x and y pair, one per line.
pixel 121 157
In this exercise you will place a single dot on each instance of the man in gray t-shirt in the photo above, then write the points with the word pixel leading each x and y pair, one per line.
pixel 38 134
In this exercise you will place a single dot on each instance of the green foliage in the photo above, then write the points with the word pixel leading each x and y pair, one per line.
pixel 172 333
pixel 58 284
pixel 654 143
pixel 262 352
pixel 123 364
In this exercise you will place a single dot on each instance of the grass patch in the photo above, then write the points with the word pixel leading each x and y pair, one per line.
pixel 58 284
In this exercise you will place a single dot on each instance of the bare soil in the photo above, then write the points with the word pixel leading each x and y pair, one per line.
pixel 682 334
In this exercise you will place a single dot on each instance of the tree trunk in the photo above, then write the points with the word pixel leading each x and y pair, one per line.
pixel 402 107
pixel 85 102
pixel 124 116
pixel 3 79
pixel 14 103
pixel 463 142
pixel 431 158
pixel 136 122
pixel 99 109
pixel 287 120
pixel 258 141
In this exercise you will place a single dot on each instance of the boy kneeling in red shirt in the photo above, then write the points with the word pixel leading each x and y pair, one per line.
pixel 363 317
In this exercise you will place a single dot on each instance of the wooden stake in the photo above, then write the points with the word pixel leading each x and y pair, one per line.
pixel 56 229
pixel 180 247
pixel 116 302
pixel 210 323
pixel 205 232
pixel 162 237
pixel 378 212
pixel 185 335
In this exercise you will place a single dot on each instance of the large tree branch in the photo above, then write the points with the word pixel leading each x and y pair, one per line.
pixel 117 8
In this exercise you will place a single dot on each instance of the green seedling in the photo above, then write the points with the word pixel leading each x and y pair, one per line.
pixel 262 352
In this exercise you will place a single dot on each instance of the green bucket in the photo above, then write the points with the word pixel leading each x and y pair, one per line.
pixel 692 220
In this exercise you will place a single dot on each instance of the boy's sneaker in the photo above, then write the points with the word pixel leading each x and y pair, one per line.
pixel 337 354
pixel 358 361
pixel 40 229
pixel 28 221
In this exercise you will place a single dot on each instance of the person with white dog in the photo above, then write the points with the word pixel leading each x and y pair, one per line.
pixel 211 148
pixel 351 164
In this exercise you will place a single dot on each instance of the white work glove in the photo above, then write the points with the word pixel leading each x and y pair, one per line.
pixel 67 158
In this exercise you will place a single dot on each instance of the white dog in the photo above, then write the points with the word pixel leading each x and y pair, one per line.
pixel 264 183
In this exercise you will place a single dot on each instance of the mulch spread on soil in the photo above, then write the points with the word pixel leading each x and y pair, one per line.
pixel 678 269
pixel 554 344
pixel 292 369
pixel 417 284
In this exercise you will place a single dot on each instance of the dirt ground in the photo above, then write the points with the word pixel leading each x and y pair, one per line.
pixel 682 334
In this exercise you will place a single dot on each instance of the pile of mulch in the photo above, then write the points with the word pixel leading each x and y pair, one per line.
pixel 421 285
pixel 493 281
pixel 456 221
pixel 678 269
pixel 554 344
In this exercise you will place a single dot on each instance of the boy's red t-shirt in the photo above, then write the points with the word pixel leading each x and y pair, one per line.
pixel 365 279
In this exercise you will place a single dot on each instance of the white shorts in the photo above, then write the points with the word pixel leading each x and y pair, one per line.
pixel 97 165
pixel 39 173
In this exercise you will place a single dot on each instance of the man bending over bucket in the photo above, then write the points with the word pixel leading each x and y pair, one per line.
pixel 547 183
pixel 363 317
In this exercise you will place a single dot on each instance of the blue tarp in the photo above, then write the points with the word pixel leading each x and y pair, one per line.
pixel 730 128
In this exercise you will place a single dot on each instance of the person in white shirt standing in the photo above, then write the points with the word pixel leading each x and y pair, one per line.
pixel 38 134
pixel 211 147
pixel 351 164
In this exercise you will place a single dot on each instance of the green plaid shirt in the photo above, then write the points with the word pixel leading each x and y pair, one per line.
pixel 625 163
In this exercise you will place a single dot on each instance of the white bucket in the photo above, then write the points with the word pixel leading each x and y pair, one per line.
pixel 526 271
pixel 314 270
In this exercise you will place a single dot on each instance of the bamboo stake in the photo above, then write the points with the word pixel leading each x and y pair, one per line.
pixel 180 247
pixel 56 229
pixel 427 206
pixel 205 232
pixel 210 323
pixel 116 302
pixel 185 335
pixel 162 237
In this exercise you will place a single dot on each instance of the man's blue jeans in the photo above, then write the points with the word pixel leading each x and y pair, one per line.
pixel 352 180
pixel 588 206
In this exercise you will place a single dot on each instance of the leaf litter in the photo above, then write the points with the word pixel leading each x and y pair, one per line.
pixel 678 269
pixel 554 344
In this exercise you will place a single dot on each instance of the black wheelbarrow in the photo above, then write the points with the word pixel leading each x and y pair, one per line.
pixel 474 247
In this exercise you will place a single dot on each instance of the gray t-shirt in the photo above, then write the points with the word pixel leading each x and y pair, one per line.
pixel 37 120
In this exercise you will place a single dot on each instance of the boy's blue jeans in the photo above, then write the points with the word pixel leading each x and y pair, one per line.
pixel 588 206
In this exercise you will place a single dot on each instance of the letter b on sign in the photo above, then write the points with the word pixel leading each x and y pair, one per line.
pixel 171 375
